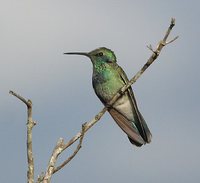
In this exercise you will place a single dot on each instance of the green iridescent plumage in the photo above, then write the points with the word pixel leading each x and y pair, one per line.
pixel 108 77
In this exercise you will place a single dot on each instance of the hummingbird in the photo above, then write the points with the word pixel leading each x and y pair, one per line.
pixel 107 79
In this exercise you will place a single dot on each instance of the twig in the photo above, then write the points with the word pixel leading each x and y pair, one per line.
pixel 30 125
pixel 89 124
pixel 59 148
pixel 74 153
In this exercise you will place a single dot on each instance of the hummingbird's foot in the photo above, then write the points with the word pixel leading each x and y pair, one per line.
pixel 108 106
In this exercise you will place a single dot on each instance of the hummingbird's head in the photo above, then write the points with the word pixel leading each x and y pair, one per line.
pixel 103 55
pixel 99 56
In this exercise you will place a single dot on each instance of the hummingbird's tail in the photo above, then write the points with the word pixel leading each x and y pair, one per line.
pixel 146 134
pixel 132 132
pixel 135 135
pixel 134 142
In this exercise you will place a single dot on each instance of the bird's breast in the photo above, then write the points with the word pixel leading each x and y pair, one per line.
pixel 106 85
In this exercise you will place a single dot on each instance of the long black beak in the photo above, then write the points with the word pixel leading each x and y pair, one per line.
pixel 78 53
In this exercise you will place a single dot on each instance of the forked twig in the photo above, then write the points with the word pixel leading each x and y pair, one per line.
pixel 74 153
pixel 58 149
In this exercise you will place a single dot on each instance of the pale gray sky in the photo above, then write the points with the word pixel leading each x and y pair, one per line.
pixel 34 34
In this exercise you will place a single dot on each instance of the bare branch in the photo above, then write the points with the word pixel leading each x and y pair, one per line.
pixel 89 124
pixel 59 148
pixel 75 152
pixel 27 102
pixel 30 125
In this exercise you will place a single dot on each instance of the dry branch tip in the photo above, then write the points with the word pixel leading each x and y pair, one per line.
pixel 173 20
pixel 172 40
pixel 150 48
pixel 30 124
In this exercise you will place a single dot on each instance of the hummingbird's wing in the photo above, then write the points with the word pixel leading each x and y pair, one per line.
pixel 142 126
pixel 134 125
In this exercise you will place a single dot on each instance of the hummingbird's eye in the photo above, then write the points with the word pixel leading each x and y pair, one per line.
pixel 100 54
